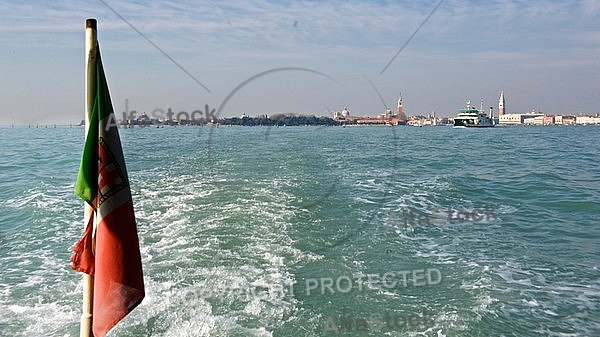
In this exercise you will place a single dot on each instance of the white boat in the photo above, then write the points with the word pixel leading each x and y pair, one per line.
pixel 472 118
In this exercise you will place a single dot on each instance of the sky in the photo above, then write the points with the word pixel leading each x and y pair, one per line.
pixel 330 54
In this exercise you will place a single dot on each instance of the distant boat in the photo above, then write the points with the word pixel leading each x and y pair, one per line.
pixel 472 118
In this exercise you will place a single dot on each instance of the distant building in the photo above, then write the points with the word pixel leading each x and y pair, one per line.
pixel 532 115
pixel 587 120
pixel 445 121
pixel 345 112
pixel 549 120
pixel 501 105
pixel 509 119
pixel 400 110
pixel 388 114
pixel 341 115
pixel 537 120
pixel 371 121
pixel 558 119
pixel 513 119
pixel 565 120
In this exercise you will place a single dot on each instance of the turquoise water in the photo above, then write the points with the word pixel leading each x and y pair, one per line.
pixel 255 231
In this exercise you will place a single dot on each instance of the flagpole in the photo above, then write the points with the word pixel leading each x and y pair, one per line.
pixel 85 329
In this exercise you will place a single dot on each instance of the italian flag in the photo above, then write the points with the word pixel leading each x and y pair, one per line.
pixel 109 249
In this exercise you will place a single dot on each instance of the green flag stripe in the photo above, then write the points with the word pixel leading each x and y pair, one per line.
pixel 86 186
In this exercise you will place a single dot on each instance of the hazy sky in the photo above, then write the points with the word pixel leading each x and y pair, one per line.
pixel 543 54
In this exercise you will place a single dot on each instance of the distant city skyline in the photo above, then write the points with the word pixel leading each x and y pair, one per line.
pixel 541 54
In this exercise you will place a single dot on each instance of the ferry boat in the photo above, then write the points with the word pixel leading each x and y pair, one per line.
pixel 472 118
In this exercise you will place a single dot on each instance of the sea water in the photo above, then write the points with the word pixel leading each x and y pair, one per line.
pixel 307 231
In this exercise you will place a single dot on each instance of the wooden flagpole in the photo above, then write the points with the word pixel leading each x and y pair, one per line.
pixel 85 329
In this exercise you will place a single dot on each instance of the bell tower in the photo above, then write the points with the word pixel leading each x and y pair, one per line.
pixel 400 109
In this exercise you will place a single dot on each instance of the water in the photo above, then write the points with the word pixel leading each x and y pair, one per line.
pixel 247 231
